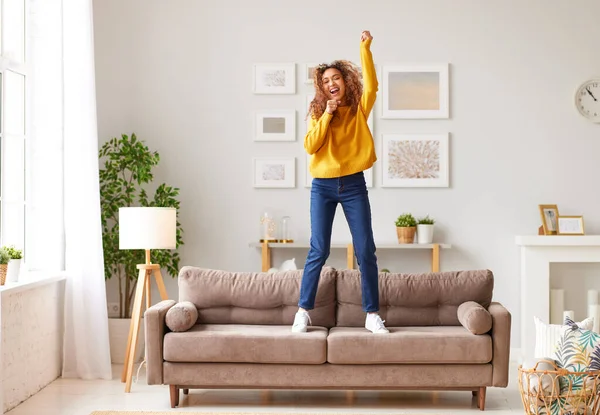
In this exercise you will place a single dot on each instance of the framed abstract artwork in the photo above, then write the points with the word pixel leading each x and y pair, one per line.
pixel 275 172
pixel 275 125
pixel 274 78
pixel 415 160
pixel 308 73
pixel 415 91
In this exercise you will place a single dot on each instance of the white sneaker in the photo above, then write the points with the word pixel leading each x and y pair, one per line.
pixel 374 323
pixel 301 322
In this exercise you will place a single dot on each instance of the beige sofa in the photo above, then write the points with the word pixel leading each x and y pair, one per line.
pixel 242 336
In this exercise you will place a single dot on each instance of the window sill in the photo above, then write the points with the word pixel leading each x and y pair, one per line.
pixel 28 281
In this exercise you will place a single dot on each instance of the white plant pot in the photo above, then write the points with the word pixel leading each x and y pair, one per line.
pixel 13 270
pixel 424 234
pixel 118 329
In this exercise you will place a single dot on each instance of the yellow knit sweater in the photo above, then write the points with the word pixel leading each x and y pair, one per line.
pixel 342 144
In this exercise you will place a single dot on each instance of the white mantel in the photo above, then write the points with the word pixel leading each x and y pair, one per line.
pixel 537 253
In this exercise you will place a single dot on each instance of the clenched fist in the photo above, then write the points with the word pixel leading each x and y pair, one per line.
pixel 332 105
pixel 365 35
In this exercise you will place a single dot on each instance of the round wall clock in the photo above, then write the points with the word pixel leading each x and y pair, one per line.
pixel 587 100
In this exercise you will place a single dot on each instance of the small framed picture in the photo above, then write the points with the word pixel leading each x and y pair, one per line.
pixel 415 160
pixel 275 172
pixel 549 215
pixel 570 225
pixel 309 72
pixel 274 78
pixel 275 125
pixel 415 91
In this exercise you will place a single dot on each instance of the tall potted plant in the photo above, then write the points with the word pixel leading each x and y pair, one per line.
pixel 126 169
pixel 406 225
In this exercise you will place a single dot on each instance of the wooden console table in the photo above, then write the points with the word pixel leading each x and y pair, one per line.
pixel 267 246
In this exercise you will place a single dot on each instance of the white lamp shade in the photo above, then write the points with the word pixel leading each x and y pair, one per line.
pixel 147 228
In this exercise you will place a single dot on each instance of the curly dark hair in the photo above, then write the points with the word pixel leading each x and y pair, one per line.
pixel 351 76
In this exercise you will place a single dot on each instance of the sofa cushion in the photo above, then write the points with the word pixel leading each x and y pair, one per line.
pixel 234 343
pixel 182 316
pixel 224 297
pixel 450 344
pixel 426 299
pixel 474 317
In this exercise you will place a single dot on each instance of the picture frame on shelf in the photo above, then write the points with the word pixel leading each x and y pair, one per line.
pixel 274 78
pixel 274 172
pixel 549 216
pixel 275 125
pixel 415 91
pixel 415 160
pixel 570 225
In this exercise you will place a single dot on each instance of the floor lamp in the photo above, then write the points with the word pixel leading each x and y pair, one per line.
pixel 144 228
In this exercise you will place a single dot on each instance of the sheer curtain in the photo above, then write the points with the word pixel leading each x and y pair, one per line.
pixel 64 226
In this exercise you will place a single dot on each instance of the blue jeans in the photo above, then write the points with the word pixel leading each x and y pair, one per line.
pixel 351 192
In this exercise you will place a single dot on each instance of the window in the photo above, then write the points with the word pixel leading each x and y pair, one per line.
pixel 13 120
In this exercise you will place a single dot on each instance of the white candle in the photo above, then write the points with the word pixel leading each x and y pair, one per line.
pixel 596 315
pixel 592 297
pixel 557 306
pixel 570 314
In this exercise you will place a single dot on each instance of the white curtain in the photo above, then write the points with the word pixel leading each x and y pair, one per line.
pixel 65 196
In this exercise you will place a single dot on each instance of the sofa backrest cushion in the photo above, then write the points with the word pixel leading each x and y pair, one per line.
pixel 224 297
pixel 427 299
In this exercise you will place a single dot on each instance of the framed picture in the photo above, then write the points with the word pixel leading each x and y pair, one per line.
pixel 275 172
pixel 415 91
pixel 415 160
pixel 570 225
pixel 308 72
pixel 274 78
pixel 275 125
pixel 308 177
pixel 549 215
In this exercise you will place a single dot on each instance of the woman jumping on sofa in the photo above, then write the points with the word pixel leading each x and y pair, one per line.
pixel 341 148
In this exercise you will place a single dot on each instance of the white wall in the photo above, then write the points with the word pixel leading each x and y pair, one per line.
pixel 179 75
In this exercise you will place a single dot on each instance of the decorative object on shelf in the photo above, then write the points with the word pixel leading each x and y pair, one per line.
pixel 549 215
pixel 425 230
pixel 570 225
pixel 275 125
pixel 288 265
pixel 268 227
pixel 415 160
pixel 14 265
pixel 274 78
pixel 285 230
pixel 416 91
pixel 275 172
pixel 4 258
pixel 587 100
pixel 406 226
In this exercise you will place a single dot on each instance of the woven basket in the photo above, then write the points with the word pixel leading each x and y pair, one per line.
pixel 3 268
pixel 579 393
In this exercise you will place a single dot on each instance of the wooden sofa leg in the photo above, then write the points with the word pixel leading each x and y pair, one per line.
pixel 186 391
pixel 174 395
pixel 481 398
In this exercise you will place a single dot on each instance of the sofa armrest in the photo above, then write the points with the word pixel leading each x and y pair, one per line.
pixel 155 328
pixel 501 325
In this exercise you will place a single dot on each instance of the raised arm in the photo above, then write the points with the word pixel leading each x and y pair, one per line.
pixel 370 84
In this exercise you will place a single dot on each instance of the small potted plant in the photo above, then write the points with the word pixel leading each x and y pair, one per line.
pixel 14 265
pixel 4 258
pixel 425 230
pixel 406 225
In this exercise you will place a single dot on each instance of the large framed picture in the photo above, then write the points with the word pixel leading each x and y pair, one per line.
pixel 415 160
pixel 415 91
pixel 275 125
pixel 275 172
pixel 274 78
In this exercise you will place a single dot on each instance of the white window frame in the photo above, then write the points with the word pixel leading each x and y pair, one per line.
pixel 23 69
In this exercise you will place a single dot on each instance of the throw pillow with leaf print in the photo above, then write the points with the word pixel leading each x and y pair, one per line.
pixel 578 350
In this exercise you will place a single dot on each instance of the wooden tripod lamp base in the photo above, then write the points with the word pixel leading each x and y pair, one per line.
pixel 144 228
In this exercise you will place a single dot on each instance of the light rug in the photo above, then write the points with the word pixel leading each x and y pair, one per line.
pixel 212 413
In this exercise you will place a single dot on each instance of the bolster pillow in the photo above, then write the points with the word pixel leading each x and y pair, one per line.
pixel 182 316
pixel 474 317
